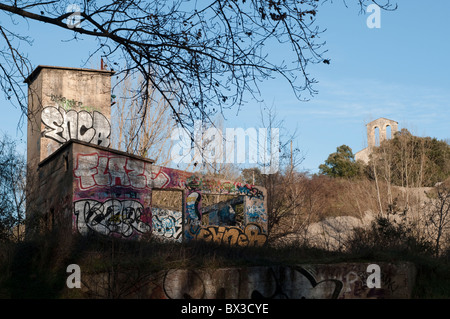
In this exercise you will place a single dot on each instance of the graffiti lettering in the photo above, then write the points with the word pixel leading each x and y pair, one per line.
pixel 255 213
pixel 276 282
pixel 124 217
pixel 111 170
pixel 311 288
pixel 193 215
pixel 167 223
pixel 105 180
pixel 62 125
pixel 160 178
pixel 68 104
pixel 233 236
pixel 95 170
pixel 250 191
pixel 195 182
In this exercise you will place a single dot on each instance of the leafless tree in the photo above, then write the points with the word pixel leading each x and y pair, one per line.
pixel 277 170
pixel 147 135
pixel 438 217
pixel 200 56
pixel 12 190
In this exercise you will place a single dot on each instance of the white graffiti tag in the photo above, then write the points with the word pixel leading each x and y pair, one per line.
pixel 62 125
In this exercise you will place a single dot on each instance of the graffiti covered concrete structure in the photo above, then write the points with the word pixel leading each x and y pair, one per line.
pixel 96 189
pixel 84 185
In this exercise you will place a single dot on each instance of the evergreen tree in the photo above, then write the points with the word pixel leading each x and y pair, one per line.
pixel 341 164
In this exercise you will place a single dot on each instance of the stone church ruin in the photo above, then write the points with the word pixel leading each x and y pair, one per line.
pixel 377 132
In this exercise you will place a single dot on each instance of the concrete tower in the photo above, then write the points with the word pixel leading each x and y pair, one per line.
pixel 66 103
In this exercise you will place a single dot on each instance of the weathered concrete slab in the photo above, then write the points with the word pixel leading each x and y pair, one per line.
pixel 320 281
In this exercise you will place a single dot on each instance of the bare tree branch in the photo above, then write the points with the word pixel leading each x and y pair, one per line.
pixel 201 57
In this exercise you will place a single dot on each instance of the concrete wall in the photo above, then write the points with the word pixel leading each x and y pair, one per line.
pixel 113 196
pixel 333 281
pixel 363 155
pixel 90 188
pixel 63 104
pixel 49 204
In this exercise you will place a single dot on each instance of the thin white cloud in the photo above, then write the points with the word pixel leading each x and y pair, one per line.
pixel 360 98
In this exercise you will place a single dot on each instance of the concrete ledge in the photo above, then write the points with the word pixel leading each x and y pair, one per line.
pixel 320 281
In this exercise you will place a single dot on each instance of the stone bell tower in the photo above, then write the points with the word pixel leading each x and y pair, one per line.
pixel 381 124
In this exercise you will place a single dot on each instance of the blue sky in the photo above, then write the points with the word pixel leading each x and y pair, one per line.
pixel 399 71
